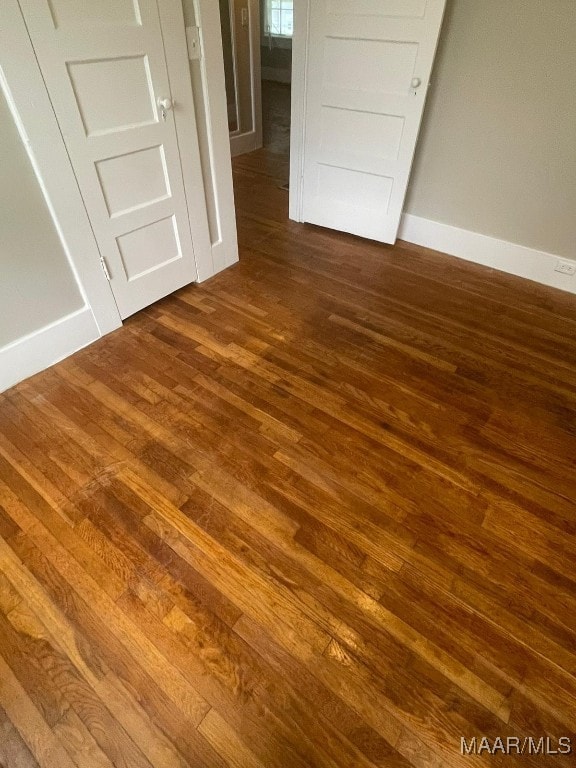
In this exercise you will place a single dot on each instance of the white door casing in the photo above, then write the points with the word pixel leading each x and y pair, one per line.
pixel 105 67
pixel 367 70
pixel 210 90
pixel 247 74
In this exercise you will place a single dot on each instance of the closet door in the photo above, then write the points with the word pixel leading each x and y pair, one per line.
pixel 106 67
pixel 367 74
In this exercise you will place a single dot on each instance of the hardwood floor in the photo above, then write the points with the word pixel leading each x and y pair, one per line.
pixel 276 106
pixel 318 511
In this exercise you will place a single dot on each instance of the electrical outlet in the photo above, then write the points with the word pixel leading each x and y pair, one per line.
pixel 565 267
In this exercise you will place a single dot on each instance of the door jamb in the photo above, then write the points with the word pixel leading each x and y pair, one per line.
pixel 175 46
pixel 248 141
pixel 300 47
pixel 218 178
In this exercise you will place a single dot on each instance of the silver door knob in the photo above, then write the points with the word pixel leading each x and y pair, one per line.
pixel 416 82
pixel 165 104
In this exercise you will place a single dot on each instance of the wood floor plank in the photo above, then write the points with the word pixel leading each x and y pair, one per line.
pixel 81 745
pixel 77 633
pixel 318 511
pixel 225 740
pixel 40 740
pixel 13 751
pixel 133 639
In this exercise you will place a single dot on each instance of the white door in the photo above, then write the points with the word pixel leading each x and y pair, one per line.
pixel 105 67
pixel 367 74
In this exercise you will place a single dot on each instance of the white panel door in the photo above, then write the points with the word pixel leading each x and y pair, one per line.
pixel 367 74
pixel 105 68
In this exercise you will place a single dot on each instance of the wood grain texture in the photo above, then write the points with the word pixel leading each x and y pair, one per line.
pixel 319 511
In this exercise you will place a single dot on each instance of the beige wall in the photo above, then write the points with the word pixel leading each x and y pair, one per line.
pixel 37 286
pixel 497 153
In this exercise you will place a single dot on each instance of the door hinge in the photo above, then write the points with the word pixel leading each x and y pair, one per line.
pixel 105 268
pixel 194 46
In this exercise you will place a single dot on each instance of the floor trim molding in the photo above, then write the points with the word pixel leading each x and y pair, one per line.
pixel 489 251
pixel 47 346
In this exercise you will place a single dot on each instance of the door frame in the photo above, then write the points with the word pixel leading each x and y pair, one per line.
pixel 216 156
pixel 173 31
pixel 242 142
pixel 300 47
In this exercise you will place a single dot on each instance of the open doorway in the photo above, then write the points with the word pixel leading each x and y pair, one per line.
pixel 360 74
pixel 277 24
pixel 240 27
pixel 257 41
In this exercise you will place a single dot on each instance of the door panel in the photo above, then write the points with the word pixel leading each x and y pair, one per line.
pixel 113 94
pixel 105 69
pixel 66 12
pixel 152 246
pixel 369 64
pixel 374 66
pixel 133 180
pixel 381 134
pixel 411 9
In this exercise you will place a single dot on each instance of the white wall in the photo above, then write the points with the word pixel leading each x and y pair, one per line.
pixel 497 152
pixel 37 286
pixel 54 297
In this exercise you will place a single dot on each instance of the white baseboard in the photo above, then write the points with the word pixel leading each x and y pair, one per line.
pixel 489 251
pixel 41 349
pixel 49 345
pixel 242 143
pixel 277 75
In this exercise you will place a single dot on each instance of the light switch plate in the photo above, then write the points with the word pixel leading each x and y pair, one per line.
pixel 193 40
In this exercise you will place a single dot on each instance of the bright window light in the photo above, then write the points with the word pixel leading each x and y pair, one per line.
pixel 280 18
